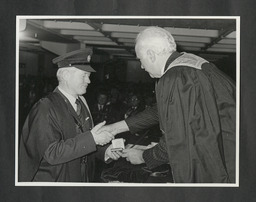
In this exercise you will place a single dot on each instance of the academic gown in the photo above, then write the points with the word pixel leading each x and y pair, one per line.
pixel 54 145
pixel 196 109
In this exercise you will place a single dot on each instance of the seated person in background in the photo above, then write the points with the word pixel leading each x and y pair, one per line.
pixel 103 109
pixel 135 105
pixel 114 98
pixel 144 137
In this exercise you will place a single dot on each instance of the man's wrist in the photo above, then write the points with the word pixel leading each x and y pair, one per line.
pixel 120 127
pixel 141 156
pixel 93 136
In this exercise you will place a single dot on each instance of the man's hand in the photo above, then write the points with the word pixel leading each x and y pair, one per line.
pixel 133 155
pixel 112 154
pixel 109 128
pixel 115 128
pixel 101 137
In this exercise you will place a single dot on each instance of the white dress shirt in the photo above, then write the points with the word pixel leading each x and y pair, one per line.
pixel 70 98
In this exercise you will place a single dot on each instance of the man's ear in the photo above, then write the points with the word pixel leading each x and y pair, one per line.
pixel 66 75
pixel 151 55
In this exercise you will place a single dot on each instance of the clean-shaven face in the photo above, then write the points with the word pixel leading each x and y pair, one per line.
pixel 78 81
pixel 146 63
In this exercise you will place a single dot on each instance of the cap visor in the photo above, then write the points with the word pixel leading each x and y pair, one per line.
pixel 86 68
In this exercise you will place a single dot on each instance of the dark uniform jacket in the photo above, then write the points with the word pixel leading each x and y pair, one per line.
pixel 196 109
pixel 54 145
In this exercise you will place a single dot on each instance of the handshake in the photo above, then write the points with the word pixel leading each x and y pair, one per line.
pixel 103 134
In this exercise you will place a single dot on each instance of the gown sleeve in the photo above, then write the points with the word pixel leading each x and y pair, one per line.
pixel 156 155
pixel 143 120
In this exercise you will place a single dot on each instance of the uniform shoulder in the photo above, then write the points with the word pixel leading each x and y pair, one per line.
pixel 48 101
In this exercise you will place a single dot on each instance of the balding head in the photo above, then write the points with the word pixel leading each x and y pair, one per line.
pixel 156 39
pixel 153 47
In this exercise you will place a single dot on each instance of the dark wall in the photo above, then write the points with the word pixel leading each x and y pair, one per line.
pixel 151 7
pixel 244 8
pixel 228 65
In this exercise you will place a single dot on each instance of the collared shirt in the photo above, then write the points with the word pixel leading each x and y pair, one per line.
pixel 70 98
pixel 100 107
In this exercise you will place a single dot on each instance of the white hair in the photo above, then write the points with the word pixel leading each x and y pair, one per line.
pixel 60 72
pixel 157 39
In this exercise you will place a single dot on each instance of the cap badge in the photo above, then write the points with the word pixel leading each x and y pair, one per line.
pixel 88 58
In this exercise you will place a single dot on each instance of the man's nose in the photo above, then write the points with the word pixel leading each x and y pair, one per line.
pixel 87 80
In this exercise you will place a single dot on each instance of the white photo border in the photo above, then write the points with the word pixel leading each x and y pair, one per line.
pixel 86 184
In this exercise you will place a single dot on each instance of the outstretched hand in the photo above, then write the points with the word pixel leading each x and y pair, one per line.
pixel 109 128
pixel 101 137
pixel 133 155
pixel 115 128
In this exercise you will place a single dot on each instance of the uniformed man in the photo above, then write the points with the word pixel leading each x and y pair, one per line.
pixel 58 142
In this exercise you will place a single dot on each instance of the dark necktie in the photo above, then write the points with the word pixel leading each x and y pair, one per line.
pixel 79 107
pixel 101 107
pixel 83 114
pixel 84 166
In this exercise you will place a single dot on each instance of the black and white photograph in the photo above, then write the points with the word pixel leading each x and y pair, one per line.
pixel 110 100
pixel 127 101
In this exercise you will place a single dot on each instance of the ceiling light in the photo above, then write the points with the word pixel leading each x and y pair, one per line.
pixel 193 32
pixel 231 46
pixel 101 42
pixel 67 25
pixel 123 35
pixel 122 28
pixel 192 39
pixel 129 44
pixel 227 41
pixel 232 35
pixel 91 38
pixel 22 24
pixel 126 40
pixel 28 39
pixel 221 50
pixel 80 33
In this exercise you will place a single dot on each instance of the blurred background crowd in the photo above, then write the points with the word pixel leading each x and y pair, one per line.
pixel 111 101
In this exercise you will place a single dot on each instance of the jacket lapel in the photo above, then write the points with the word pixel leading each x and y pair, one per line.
pixel 69 106
pixel 87 107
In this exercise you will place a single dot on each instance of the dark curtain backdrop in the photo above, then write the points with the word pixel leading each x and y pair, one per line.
pixel 244 8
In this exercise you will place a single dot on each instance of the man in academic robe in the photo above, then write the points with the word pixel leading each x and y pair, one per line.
pixel 58 142
pixel 196 110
